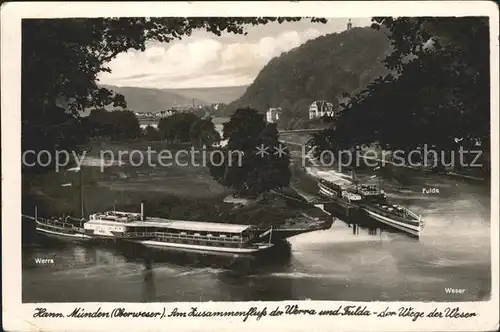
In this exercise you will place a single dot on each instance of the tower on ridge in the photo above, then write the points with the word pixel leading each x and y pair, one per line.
pixel 349 25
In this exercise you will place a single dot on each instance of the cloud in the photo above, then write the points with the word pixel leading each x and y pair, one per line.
pixel 154 51
pixel 204 60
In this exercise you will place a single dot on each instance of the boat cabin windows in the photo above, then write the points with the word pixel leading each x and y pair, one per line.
pixel 370 191
pixel 195 233
pixel 202 238
pixel 332 185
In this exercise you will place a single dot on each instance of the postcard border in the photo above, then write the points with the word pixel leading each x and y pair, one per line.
pixel 18 316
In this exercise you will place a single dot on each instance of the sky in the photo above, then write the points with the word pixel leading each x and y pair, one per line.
pixel 206 60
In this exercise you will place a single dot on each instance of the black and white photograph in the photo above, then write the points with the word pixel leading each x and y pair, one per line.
pixel 255 158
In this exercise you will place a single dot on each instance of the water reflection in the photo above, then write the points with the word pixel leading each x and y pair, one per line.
pixel 355 260
pixel 149 289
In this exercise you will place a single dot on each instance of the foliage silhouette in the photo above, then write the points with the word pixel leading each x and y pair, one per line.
pixel 437 92
pixel 151 134
pixel 116 125
pixel 320 69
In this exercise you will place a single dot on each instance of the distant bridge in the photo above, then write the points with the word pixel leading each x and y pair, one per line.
pixel 300 131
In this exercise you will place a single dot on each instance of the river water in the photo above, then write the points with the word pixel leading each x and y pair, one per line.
pixel 345 262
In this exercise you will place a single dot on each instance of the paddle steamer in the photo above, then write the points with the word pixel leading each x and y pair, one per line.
pixel 161 233
pixel 63 228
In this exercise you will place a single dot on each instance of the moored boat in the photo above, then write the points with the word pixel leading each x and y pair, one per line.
pixel 67 228
pixel 214 237
pixel 337 190
pixel 369 193
pixel 373 202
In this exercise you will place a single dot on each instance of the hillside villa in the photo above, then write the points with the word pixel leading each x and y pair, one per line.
pixel 320 108
pixel 273 114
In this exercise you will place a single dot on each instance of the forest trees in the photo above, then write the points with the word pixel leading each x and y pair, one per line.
pixel 151 134
pixel 176 128
pixel 436 94
pixel 254 161
pixel 203 133
pixel 188 127
pixel 116 125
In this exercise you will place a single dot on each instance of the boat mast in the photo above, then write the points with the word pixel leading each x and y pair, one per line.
pixel 142 211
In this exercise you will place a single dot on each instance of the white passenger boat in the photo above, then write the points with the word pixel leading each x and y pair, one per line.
pixel 372 200
pixel 178 234
pixel 63 228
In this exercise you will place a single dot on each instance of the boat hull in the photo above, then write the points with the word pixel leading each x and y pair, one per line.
pixel 63 236
pixel 410 229
pixel 327 192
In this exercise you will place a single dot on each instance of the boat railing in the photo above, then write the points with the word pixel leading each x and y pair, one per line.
pixel 139 234
pixel 411 213
pixel 77 229
pixel 55 223
pixel 370 192
pixel 123 219
pixel 184 236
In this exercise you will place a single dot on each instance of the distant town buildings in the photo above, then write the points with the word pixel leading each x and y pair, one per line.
pixel 216 106
pixel 273 114
pixel 321 108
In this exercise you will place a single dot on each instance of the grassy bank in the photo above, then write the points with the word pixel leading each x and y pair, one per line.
pixel 177 192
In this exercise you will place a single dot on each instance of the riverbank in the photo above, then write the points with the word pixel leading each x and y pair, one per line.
pixel 297 143
pixel 335 264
